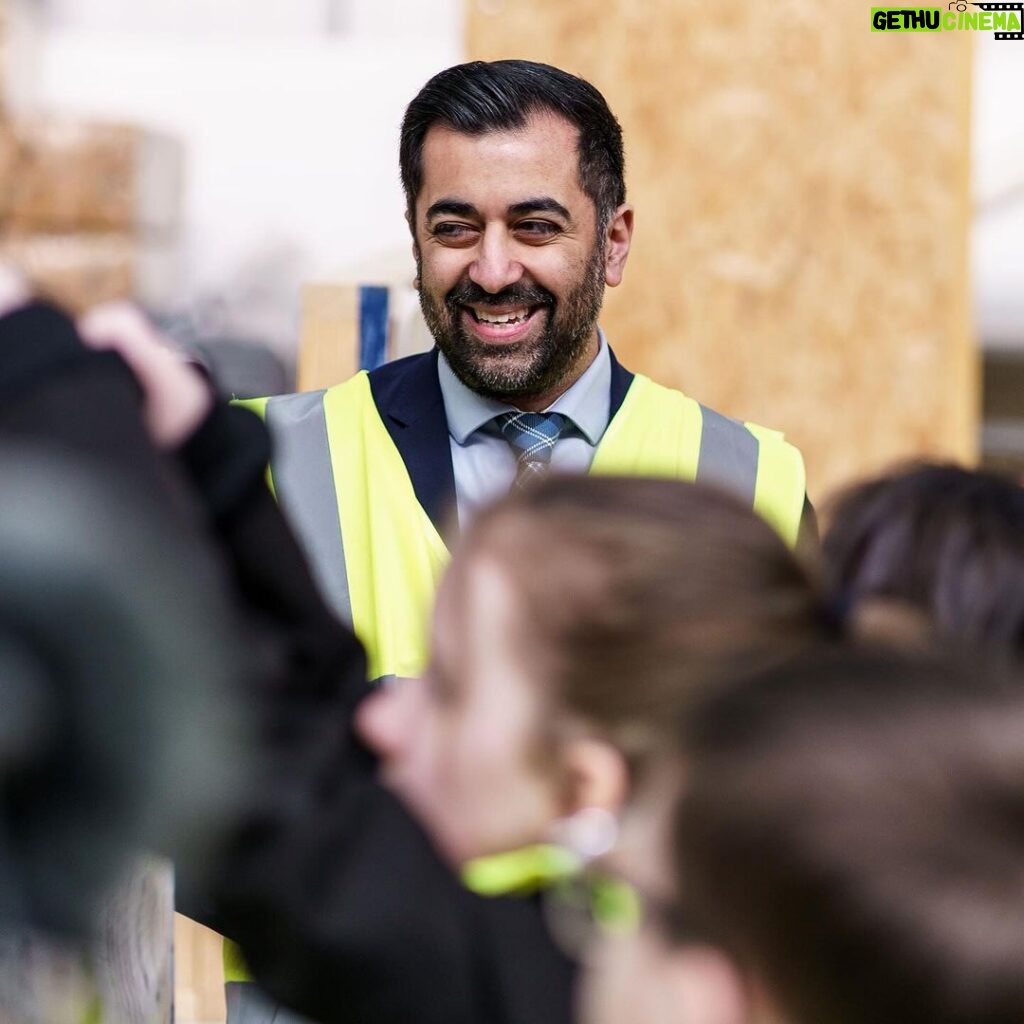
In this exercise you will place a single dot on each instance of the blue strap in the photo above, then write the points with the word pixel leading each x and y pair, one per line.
pixel 373 326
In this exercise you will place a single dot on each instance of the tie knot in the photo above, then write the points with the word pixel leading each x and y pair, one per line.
pixel 532 434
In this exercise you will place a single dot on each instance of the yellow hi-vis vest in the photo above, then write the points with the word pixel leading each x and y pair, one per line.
pixel 376 553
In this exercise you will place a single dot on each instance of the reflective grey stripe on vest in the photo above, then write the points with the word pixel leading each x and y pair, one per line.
pixel 728 455
pixel 248 1004
pixel 304 484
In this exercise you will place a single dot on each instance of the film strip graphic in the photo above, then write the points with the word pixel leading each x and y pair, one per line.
pixel 1018 7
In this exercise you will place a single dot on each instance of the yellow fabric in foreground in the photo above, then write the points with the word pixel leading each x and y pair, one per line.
pixel 519 871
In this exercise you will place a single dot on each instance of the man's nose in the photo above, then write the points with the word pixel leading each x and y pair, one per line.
pixel 496 265
pixel 385 720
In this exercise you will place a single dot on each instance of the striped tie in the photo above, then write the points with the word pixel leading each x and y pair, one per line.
pixel 533 436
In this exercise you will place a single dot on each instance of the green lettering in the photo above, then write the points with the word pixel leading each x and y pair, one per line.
pixel 999 21
pixel 949 21
pixel 969 20
pixel 903 19
pixel 1013 22
pixel 986 20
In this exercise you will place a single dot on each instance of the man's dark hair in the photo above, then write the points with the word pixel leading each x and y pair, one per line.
pixel 851 831
pixel 947 540
pixel 482 97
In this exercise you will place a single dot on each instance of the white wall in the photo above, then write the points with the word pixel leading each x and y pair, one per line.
pixel 289 112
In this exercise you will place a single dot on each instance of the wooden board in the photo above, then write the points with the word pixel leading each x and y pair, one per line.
pixel 329 347
pixel 198 974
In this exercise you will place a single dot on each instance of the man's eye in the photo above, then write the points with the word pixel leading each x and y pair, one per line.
pixel 452 232
pixel 537 228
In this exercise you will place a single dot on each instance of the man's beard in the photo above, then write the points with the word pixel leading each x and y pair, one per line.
pixel 519 369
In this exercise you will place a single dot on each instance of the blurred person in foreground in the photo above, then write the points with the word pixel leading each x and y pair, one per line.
pixel 105 571
pixel 551 678
pixel 547 697
pixel 133 623
pixel 844 846
pixel 946 541
pixel 550 690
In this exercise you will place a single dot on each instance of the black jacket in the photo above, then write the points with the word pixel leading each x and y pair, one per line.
pixel 342 906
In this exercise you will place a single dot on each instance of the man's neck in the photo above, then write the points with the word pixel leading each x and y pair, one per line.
pixel 538 403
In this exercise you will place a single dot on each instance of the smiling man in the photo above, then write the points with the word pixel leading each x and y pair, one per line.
pixel 514 181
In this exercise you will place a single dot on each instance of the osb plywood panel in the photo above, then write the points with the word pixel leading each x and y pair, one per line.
pixel 801 187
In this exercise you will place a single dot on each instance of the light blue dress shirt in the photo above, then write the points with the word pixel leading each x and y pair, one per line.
pixel 484 462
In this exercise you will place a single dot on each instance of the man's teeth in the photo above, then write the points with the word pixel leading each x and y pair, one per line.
pixel 516 316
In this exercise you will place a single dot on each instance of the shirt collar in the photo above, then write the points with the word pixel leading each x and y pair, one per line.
pixel 586 403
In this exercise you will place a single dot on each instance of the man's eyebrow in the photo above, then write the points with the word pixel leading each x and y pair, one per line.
pixel 539 204
pixel 451 207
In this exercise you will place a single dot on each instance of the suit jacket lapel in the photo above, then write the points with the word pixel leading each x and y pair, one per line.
pixel 408 397
pixel 621 380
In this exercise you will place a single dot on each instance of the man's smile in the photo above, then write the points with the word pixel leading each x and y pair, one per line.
pixel 501 316
pixel 499 323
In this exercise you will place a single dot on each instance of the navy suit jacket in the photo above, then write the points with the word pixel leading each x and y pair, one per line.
pixel 408 396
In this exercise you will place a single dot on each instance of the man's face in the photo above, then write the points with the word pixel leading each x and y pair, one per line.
pixel 511 268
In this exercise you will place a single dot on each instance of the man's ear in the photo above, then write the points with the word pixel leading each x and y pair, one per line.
pixel 617 241
pixel 594 774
